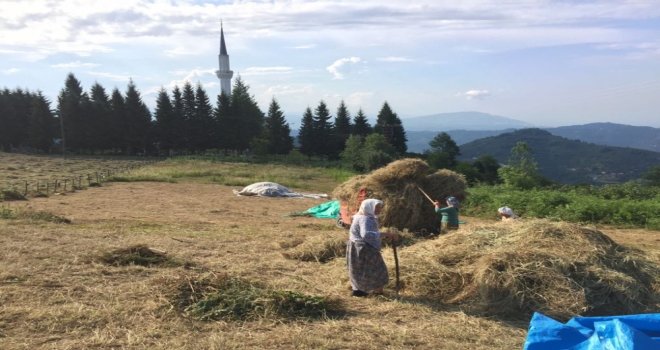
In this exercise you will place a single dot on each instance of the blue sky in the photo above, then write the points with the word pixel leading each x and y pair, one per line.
pixel 547 63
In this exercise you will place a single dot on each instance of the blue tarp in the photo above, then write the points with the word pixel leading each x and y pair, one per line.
pixel 629 332
pixel 327 210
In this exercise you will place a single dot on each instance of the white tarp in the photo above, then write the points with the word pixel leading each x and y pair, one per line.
pixel 271 189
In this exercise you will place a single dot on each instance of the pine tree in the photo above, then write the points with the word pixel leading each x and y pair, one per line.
pixel 306 133
pixel 361 125
pixel 165 128
pixel 139 121
pixel 443 151
pixel 118 123
pixel 70 111
pixel 389 125
pixel 323 135
pixel 189 116
pixel 342 127
pixel 12 125
pixel 40 131
pixel 222 115
pixel 250 118
pixel 277 131
pixel 178 124
pixel 522 171
pixel 99 118
pixel 204 126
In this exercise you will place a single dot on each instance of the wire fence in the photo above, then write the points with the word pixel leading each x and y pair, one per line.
pixel 71 183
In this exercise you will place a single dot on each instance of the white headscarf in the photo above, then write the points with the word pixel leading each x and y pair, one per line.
pixel 506 211
pixel 368 206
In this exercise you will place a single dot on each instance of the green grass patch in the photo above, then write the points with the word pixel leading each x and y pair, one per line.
pixel 306 178
pixel 31 215
pixel 627 206
pixel 221 297
pixel 11 195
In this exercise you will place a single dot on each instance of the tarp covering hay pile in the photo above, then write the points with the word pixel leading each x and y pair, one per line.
pixel 396 185
pixel 513 269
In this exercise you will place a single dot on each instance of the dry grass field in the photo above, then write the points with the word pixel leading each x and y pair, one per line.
pixel 34 174
pixel 56 291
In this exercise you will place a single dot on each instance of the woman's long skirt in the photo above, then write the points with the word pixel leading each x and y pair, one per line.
pixel 366 268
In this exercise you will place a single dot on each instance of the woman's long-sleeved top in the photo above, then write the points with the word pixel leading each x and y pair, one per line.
pixel 365 228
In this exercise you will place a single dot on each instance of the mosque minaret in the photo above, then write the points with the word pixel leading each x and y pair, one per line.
pixel 224 73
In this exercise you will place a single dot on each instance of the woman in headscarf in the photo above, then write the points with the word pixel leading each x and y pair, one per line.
pixel 366 268
pixel 448 215
pixel 506 214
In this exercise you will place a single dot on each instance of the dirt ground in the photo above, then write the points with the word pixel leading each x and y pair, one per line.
pixel 55 295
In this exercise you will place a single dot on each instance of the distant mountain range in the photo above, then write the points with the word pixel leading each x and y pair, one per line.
pixel 462 121
pixel 564 160
pixel 608 134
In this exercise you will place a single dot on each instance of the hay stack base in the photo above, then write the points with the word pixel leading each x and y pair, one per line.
pixel 514 269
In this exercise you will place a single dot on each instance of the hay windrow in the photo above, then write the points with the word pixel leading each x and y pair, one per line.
pixel 214 296
pixel 514 269
pixel 11 195
pixel 138 255
pixel 32 215
pixel 397 185
pixel 320 248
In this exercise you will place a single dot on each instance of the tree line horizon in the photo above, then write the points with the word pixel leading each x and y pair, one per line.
pixel 183 122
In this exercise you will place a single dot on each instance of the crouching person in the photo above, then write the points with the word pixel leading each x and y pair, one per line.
pixel 448 215
pixel 366 268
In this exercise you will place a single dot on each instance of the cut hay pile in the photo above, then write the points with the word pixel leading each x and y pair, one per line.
pixel 138 255
pixel 217 296
pixel 396 185
pixel 513 269
pixel 323 248
pixel 320 248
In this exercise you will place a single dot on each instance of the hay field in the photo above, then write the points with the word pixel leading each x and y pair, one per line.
pixel 56 292
pixel 18 169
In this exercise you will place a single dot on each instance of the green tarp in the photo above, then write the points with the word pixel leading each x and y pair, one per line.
pixel 327 210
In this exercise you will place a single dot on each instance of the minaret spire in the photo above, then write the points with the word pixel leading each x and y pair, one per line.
pixel 224 73
pixel 223 48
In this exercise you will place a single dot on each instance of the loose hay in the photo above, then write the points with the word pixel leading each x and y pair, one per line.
pixel 325 247
pixel 320 248
pixel 138 255
pixel 513 269
pixel 213 296
pixel 396 185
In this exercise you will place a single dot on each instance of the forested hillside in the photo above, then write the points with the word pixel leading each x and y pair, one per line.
pixel 567 161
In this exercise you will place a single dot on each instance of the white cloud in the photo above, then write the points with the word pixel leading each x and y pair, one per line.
pixel 476 94
pixel 74 64
pixel 336 67
pixel 10 71
pixel 111 76
pixel 193 76
pixel 304 47
pixel 280 90
pixel 395 59
pixel 180 51
pixel 358 99
pixel 266 70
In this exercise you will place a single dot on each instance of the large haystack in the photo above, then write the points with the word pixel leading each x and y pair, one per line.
pixel 513 269
pixel 397 185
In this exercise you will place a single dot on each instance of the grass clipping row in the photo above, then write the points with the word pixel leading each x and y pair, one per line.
pixel 513 269
pixel 397 185
pixel 217 296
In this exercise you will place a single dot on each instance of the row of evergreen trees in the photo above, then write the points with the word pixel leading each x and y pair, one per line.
pixel 183 122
